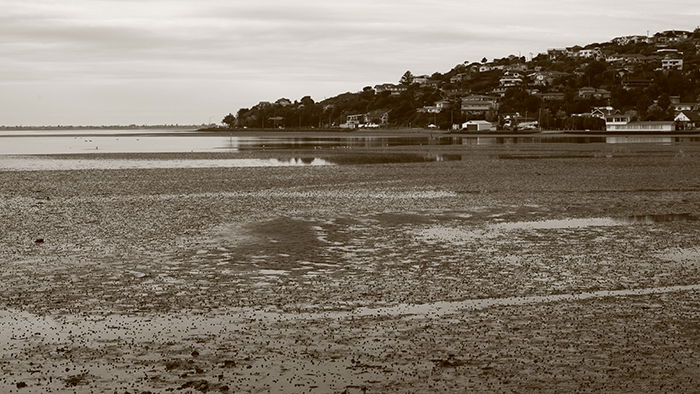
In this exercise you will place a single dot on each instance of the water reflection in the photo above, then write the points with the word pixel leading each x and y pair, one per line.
pixel 56 163
pixel 532 140
pixel 153 141
pixel 550 139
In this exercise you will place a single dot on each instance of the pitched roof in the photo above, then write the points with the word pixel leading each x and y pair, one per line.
pixel 692 116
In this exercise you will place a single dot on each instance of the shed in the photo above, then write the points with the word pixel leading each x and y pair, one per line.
pixel 478 125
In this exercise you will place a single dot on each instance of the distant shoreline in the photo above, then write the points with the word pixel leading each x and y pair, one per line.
pixel 421 131
pixel 130 127
pixel 335 132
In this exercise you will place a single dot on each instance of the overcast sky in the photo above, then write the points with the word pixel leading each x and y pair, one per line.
pixel 193 61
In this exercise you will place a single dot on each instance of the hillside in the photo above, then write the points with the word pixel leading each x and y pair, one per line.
pixel 645 78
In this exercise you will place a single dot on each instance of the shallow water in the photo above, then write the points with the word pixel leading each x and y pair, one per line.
pixel 26 163
pixel 28 142
pixel 57 163
pixel 17 324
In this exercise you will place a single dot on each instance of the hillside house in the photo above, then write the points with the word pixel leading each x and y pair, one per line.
pixel 421 79
pixel 474 104
pixel 283 102
pixel 592 53
pixel 614 58
pixel 636 83
pixel 395 90
pixel 680 107
pixel 626 40
pixel 509 81
pixel 429 109
pixel 352 121
pixel 442 104
pixel 671 36
pixel 490 67
pixel 544 78
pixel 551 96
pixel 435 109
pixel 671 63
pixel 593 93
pixel 557 53
pixel 517 67
pixel 432 83
pixel 668 51
pixel 379 116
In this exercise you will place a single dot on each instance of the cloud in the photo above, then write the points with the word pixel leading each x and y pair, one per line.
pixel 287 48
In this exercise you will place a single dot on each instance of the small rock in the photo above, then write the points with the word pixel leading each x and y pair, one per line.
pixel 229 364
pixel 199 385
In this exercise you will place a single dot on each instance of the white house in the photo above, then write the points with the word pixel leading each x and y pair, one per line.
pixel 478 125
pixel 352 121
pixel 479 103
pixel 629 40
pixel 590 53
pixel 508 82
pixel 395 90
pixel 672 64
pixel 421 79
pixel 644 127
pixel 687 120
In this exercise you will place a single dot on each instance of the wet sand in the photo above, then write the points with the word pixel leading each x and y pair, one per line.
pixel 544 268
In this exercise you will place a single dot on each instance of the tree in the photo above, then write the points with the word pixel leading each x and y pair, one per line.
pixel 307 101
pixel 406 79
pixel 229 120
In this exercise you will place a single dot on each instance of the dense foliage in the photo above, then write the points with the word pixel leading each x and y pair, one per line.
pixel 625 75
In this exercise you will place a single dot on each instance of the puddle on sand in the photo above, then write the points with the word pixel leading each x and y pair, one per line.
pixel 667 218
pixel 555 224
pixel 436 309
pixel 445 233
pixel 19 325
pixel 269 249
pixel 680 255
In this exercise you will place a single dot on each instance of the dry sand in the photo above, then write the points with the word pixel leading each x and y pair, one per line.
pixel 396 277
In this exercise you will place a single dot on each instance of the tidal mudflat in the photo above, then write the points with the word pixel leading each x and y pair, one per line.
pixel 504 267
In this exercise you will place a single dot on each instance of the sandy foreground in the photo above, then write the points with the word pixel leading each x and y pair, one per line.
pixel 534 268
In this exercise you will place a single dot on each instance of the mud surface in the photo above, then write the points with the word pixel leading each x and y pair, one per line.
pixel 543 267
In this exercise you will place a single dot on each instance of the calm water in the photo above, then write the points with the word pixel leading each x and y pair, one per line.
pixel 32 142
pixel 58 163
